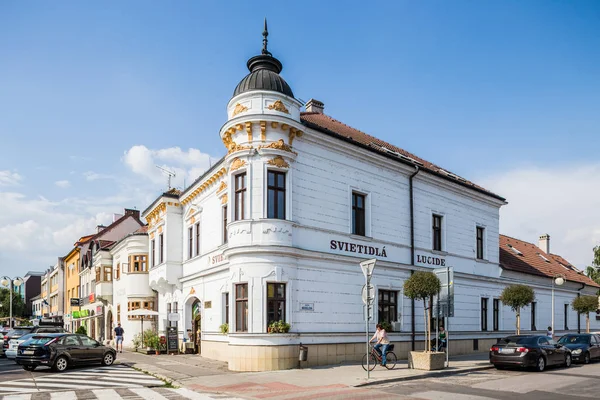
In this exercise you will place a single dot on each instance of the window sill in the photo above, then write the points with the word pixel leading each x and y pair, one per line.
pixel 360 237
pixel 440 252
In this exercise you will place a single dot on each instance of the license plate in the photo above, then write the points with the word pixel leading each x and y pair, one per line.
pixel 28 352
pixel 507 351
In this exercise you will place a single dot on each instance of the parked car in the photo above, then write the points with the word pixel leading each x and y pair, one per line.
pixel 584 346
pixel 62 350
pixel 3 331
pixel 19 331
pixel 529 351
pixel 13 344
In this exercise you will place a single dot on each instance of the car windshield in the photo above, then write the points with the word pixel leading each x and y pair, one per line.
pixel 18 332
pixel 517 340
pixel 26 337
pixel 574 339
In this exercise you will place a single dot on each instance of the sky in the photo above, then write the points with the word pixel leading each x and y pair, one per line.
pixel 94 95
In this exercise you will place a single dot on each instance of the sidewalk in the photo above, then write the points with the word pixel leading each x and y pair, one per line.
pixel 196 372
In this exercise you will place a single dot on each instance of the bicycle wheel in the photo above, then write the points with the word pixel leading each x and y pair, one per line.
pixel 372 362
pixel 390 359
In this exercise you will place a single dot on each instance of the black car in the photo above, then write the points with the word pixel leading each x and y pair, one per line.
pixel 61 350
pixel 584 347
pixel 529 351
pixel 19 331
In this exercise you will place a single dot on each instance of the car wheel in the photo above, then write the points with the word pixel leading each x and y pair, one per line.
pixel 541 364
pixel 568 360
pixel 587 358
pixel 60 364
pixel 108 359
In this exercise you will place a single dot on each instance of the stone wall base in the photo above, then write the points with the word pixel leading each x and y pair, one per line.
pixel 248 358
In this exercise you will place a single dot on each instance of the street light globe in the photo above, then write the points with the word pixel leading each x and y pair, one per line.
pixel 5 281
pixel 17 281
pixel 559 281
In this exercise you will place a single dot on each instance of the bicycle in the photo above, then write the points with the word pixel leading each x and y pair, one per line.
pixel 375 358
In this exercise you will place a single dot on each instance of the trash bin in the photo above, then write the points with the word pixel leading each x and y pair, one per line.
pixel 303 356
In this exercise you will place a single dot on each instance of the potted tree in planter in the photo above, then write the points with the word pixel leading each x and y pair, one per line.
pixel 423 286
pixel 224 328
pixel 517 297
pixel 585 305
pixel 279 327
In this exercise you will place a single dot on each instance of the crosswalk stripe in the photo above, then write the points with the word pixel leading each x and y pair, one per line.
pixel 190 394
pixel 137 380
pixel 148 394
pixel 106 394
pixel 77 375
pixel 87 383
pixel 63 395
pixel 17 397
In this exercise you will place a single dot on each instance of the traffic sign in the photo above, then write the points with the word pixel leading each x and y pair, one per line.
pixel 446 296
pixel 368 295
pixel 368 267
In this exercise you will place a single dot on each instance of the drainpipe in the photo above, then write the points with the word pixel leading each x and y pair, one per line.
pixel 578 314
pixel 412 253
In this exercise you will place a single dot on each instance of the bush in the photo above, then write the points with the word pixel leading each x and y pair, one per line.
pixel 517 297
pixel 224 328
pixel 151 340
pixel 81 330
pixel 279 327
pixel 585 305
pixel 137 341
pixel 386 326
pixel 423 286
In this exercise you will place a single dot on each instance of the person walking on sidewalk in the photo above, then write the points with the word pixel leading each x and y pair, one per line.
pixel 119 336
pixel 382 343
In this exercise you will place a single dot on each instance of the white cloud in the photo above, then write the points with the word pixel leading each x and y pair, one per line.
pixel 187 165
pixel 563 201
pixel 95 176
pixel 63 184
pixel 8 178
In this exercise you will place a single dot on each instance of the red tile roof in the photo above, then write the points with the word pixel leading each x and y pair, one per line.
pixel 530 261
pixel 326 124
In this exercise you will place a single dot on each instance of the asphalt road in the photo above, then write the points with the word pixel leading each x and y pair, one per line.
pixel 575 383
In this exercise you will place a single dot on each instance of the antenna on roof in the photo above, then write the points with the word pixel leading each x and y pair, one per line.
pixel 170 174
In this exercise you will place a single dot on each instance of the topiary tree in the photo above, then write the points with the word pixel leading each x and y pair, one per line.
pixel 517 297
pixel 81 330
pixel 422 286
pixel 585 305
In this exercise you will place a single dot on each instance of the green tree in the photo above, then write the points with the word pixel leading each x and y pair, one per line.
pixel 81 330
pixel 18 304
pixel 517 297
pixel 585 305
pixel 422 286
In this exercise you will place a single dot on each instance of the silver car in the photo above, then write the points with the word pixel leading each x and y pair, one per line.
pixel 13 345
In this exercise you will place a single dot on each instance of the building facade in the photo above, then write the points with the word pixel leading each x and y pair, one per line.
pixel 32 282
pixel 131 289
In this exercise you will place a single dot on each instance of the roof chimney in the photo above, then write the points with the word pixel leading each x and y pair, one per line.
pixel 116 217
pixel 544 243
pixel 315 106
pixel 133 213
pixel 100 228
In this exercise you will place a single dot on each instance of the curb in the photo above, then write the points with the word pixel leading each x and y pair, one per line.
pixel 424 376
pixel 164 378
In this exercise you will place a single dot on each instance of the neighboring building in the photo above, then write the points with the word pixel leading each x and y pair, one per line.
pixel 72 288
pixel 32 282
pixel 45 293
pixel 95 267
pixel 130 287
pixel 56 292
pixel 276 230
pixel 36 307
pixel 525 261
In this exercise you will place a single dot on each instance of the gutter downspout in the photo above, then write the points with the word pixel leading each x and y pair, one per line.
pixel 578 314
pixel 412 254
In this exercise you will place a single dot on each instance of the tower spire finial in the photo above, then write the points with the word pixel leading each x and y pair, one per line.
pixel 265 40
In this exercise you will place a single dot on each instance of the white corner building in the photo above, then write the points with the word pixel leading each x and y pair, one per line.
pixel 277 228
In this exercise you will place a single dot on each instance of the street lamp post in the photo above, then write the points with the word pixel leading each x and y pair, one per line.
pixel 10 284
pixel 557 279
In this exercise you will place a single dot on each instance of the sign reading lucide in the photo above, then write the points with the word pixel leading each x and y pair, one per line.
pixel 430 260
pixel 357 248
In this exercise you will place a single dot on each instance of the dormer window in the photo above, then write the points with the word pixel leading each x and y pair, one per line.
pixel 514 249
pixel 543 258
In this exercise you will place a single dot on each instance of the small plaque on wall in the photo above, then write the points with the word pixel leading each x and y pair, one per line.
pixel 307 306
pixel 208 304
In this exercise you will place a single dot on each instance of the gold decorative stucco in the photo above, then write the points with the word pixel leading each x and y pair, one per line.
pixel 278 106
pixel 237 164
pixel 239 109
pixel 224 199
pixel 278 145
pixel 154 214
pixel 263 130
pixel 233 147
pixel 204 185
pixel 249 130
pixel 294 133
pixel 278 162
pixel 222 186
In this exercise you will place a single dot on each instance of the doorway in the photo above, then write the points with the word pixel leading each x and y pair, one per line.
pixel 109 325
pixel 196 326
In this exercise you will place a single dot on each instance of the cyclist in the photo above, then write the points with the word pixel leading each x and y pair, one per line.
pixel 442 338
pixel 382 342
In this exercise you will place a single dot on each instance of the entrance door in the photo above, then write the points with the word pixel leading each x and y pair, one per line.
pixel 196 324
